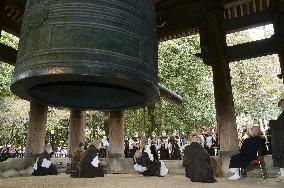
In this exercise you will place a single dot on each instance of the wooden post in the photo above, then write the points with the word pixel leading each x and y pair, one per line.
pixel 224 105
pixel 116 134
pixel 278 6
pixel 36 129
pixel 76 134
pixel 2 8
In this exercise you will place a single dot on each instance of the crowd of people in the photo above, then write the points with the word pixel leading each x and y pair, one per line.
pixel 8 151
pixel 170 147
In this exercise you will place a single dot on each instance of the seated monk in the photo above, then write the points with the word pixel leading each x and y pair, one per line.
pixel 248 152
pixel 197 163
pixel 145 163
pixel 43 165
pixel 75 161
pixel 90 166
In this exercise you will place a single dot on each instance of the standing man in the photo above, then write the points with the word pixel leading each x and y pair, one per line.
pixel 133 145
pixel 165 147
pixel 175 142
pixel 277 139
pixel 103 148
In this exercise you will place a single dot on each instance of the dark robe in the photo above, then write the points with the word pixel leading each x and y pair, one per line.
pixel 102 153
pixel 269 142
pixel 42 171
pixel 164 152
pixel 153 167
pixel 248 152
pixel 175 153
pixel 126 149
pixel 277 140
pixel 135 147
pixel 154 149
pixel 87 170
pixel 75 163
pixel 197 164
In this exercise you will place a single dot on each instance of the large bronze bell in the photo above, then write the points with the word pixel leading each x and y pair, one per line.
pixel 89 54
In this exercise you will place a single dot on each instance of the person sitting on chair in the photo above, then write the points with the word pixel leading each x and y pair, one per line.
pixel 248 152
pixel 197 162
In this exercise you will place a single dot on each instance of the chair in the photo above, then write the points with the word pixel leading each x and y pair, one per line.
pixel 257 163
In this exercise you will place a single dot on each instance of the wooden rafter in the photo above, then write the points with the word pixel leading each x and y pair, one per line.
pixel 8 54
pixel 252 49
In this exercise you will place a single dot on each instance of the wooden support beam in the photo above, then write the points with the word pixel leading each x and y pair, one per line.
pixel 224 104
pixel 278 6
pixel 11 13
pixel 76 133
pixel 248 21
pixel 8 54
pixel 116 134
pixel 251 50
pixel 2 7
pixel 11 26
pixel 175 18
pixel 36 129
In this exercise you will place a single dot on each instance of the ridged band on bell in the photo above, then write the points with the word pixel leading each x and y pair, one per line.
pixel 91 54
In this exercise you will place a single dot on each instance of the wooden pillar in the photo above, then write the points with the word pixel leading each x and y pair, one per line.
pixel 278 6
pixel 36 129
pixel 224 105
pixel 76 134
pixel 2 8
pixel 116 134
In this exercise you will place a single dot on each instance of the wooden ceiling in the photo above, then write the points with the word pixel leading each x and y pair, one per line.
pixel 175 18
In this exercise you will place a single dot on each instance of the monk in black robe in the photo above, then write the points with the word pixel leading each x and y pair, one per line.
pixel 197 163
pixel 75 161
pixel 175 152
pixel 43 166
pixel 126 147
pixel 145 164
pixel 248 152
pixel 90 166
pixel 153 148
pixel 277 140
pixel 165 145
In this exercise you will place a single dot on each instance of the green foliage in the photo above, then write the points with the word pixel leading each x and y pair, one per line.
pixel 6 72
pixel 96 123
pixel 13 121
pixel 256 88
pixel 9 39
pixel 186 75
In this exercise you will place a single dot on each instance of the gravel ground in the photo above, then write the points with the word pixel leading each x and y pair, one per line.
pixel 131 181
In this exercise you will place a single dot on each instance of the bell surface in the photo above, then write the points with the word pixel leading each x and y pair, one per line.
pixel 88 54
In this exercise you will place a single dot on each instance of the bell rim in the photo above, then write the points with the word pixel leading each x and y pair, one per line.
pixel 145 88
